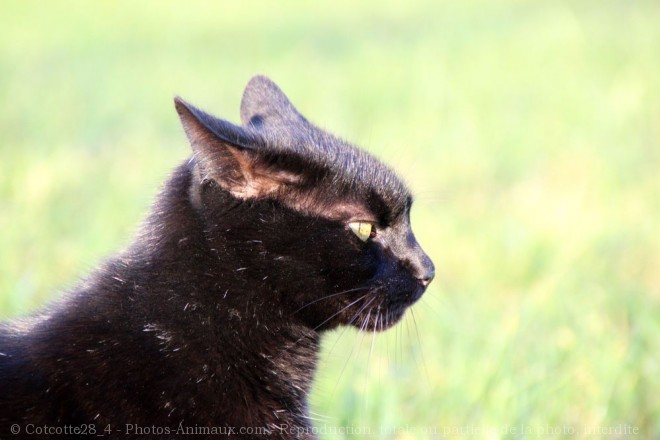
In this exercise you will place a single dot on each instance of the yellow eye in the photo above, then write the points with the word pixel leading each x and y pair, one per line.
pixel 363 230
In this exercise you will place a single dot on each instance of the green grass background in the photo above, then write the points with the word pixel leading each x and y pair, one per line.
pixel 529 130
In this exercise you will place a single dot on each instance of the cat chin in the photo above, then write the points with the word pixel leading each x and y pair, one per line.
pixel 387 313
pixel 380 319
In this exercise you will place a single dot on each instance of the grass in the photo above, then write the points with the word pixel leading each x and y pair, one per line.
pixel 528 130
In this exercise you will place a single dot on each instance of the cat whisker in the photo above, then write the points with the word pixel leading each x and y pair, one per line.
pixel 400 342
pixel 396 347
pixel 330 296
pixel 377 321
pixel 371 350
pixel 419 342
pixel 297 341
pixel 309 417
pixel 365 323
pixel 321 416
pixel 341 373
pixel 348 324
pixel 382 327
pixel 387 338
pixel 410 348
pixel 373 340
pixel 379 327
pixel 340 311
pixel 428 303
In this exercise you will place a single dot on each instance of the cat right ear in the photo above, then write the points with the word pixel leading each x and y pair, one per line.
pixel 264 104
pixel 224 153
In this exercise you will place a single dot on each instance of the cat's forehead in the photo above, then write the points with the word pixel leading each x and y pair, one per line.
pixel 351 177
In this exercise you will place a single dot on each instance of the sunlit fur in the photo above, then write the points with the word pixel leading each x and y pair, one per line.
pixel 212 316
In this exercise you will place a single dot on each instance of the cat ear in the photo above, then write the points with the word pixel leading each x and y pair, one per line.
pixel 264 104
pixel 225 153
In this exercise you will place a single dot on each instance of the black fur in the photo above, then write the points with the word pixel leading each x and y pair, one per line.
pixel 211 319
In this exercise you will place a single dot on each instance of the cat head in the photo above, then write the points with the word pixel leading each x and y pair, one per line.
pixel 322 225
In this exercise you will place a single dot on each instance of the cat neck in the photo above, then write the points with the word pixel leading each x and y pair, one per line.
pixel 216 317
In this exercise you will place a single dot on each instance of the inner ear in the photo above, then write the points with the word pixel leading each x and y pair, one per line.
pixel 238 167
pixel 260 176
pixel 245 173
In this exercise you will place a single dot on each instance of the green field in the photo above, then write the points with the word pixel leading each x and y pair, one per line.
pixel 529 131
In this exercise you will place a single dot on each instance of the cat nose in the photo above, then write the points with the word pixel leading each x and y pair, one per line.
pixel 426 279
pixel 419 263
pixel 425 271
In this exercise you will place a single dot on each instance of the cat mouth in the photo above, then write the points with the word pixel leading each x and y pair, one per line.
pixel 382 310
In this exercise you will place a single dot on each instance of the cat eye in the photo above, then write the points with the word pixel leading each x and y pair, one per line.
pixel 363 230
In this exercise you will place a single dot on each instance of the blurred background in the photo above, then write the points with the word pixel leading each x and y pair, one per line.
pixel 528 130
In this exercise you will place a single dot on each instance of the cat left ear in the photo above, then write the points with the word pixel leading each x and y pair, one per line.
pixel 225 153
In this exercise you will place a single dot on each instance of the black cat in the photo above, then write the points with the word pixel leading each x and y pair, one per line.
pixel 209 323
